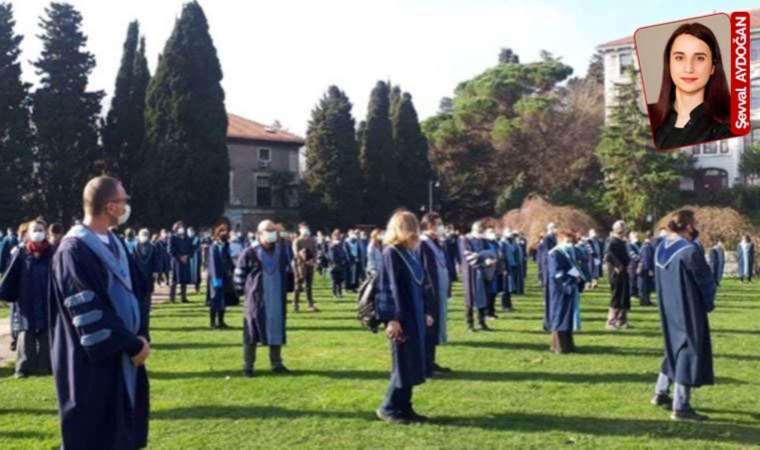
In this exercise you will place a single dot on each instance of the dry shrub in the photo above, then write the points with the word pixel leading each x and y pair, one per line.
pixel 715 223
pixel 535 213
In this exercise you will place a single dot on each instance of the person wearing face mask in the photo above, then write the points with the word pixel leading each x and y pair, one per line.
pixel 617 259
pixel 339 263
pixel 25 285
pixel 564 281
pixel 221 290
pixel 745 259
pixel 634 256
pixel 686 295
pixel 284 239
pixel 146 260
pixel 542 259
pixel 717 261
pixel 432 256
pixel 260 274
pixel 451 243
pixel 237 244
pixel 305 251
pixel 130 240
pixel 508 252
pixel 99 342
pixel 181 249
pixel 375 252
pixel 471 248
pixel 196 259
pixel 646 271
pixel 354 262
pixel 494 275
pixel 162 245
pixel 407 308
pixel 596 251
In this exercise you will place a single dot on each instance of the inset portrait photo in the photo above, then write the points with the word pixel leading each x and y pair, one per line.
pixel 685 71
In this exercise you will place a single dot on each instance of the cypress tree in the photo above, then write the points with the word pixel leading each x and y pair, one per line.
pixel 377 158
pixel 187 165
pixel 15 132
pixel 332 175
pixel 65 114
pixel 124 129
pixel 411 154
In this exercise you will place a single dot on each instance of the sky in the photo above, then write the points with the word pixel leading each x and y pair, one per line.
pixel 279 57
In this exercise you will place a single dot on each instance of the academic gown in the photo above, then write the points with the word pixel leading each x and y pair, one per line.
pixel 633 267
pixel 148 262
pixel 94 406
pixel 406 300
pixel 220 291
pixel 432 256
pixel 196 260
pixel 562 288
pixel 180 246
pixel 686 294
pixel 522 245
pixel 473 279
pixel 646 264
pixel 339 261
pixel 263 273
pixel 25 284
pixel 452 256
pixel 717 263
pixel 745 263
pixel 617 257
pixel 542 257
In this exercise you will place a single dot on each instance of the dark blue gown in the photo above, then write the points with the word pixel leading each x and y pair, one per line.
pixel 94 407
pixel 181 246
pixel 686 294
pixel 562 288
pixel 717 263
pixel 219 271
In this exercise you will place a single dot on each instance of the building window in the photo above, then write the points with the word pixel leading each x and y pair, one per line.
pixel 695 150
pixel 265 155
pixel 756 135
pixel 710 148
pixel 293 161
pixel 626 60
pixel 263 192
pixel 724 146
pixel 754 92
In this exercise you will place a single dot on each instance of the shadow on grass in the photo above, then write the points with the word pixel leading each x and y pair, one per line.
pixel 600 426
pixel 197 328
pixel 23 435
pixel 191 345
pixel 28 411
pixel 257 412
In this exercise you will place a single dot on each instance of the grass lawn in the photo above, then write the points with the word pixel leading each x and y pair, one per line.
pixel 507 391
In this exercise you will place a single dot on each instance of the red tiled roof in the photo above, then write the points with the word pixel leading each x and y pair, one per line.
pixel 242 128
pixel 754 22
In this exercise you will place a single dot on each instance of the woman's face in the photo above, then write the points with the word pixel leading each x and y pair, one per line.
pixel 691 63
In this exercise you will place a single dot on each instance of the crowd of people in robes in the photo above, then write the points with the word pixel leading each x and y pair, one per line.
pixel 91 329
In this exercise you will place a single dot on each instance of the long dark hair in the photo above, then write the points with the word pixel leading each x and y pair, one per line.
pixel 717 102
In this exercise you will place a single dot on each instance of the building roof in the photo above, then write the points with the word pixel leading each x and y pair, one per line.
pixel 245 129
pixel 754 22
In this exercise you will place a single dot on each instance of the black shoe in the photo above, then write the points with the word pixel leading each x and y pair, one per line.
pixel 440 369
pixel 418 418
pixel 485 327
pixel 688 414
pixel 397 420
pixel 471 329
pixel 663 400
pixel 280 369
pixel 184 300
pixel 223 326
pixel 248 373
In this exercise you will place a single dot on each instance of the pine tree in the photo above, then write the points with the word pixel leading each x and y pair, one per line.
pixel 15 132
pixel 332 176
pixel 637 179
pixel 124 128
pixel 65 114
pixel 377 158
pixel 411 150
pixel 187 161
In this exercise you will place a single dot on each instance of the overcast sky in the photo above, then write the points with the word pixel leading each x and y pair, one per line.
pixel 279 56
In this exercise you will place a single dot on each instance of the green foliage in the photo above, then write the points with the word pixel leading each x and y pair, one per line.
pixel 123 133
pixel 186 162
pixel 15 132
pixel 332 195
pixel 638 181
pixel 749 164
pixel 412 162
pixel 65 115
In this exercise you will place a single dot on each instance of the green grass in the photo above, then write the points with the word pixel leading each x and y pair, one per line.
pixel 507 391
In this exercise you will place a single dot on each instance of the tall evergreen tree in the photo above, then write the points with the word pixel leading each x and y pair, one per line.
pixel 124 128
pixel 15 132
pixel 186 128
pixel 332 176
pixel 411 155
pixel 638 180
pixel 377 158
pixel 65 114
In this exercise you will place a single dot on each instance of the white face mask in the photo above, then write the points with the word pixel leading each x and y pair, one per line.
pixel 143 238
pixel 305 232
pixel 270 237
pixel 440 230
pixel 181 231
pixel 191 233
pixel 125 216
pixel 37 236
pixel 490 235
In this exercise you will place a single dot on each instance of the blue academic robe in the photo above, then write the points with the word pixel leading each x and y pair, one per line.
pixel 219 269
pixel 473 279
pixel 147 261
pixel 496 284
pixel 432 256
pixel 562 289
pixel 25 284
pixel 522 245
pixel 196 260
pixel 745 262
pixel 717 263
pixel 406 300
pixel 339 261
pixel 452 256
pixel 265 312
pixel 88 343
pixel 164 258
pixel 180 246
pixel 686 294
pixel 542 258
pixel 646 265
pixel 633 265
pixel 6 245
